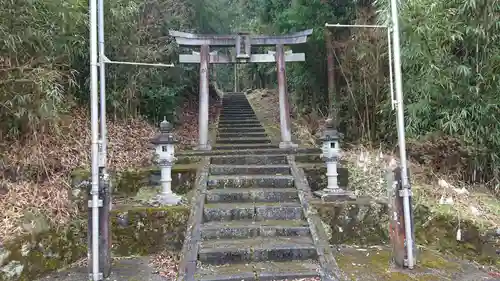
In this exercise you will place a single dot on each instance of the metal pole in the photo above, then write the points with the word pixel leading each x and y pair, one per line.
pixel 138 63
pixel 104 188
pixel 332 102
pixel 391 75
pixel 354 25
pixel 203 114
pixel 401 134
pixel 102 84
pixel 94 204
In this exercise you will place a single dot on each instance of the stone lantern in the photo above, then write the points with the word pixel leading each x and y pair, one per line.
pixel 165 148
pixel 331 154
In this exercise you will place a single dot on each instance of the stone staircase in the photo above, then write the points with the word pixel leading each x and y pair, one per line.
pixel 252 224
pixel 250 218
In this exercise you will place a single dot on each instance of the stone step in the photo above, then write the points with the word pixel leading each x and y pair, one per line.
pixel 242 135
pixel 244 140
pixel 250 181
pixel 237 117
pixel 249 160
pixel 223 139
pixel 240 125
pixel 261 271
pixel 298 151
pixel 249 169
pixel 247 146
pixel 237 112
pixel 222 251
pixel 252 211
pixel 251 195
pixel 249 228
pixel 240 121
pixel 237 106
pixel 242 130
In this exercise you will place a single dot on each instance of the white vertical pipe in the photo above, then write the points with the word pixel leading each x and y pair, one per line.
pixel 401 133
pixel 102 84
pixel 95 134
pixel 391 75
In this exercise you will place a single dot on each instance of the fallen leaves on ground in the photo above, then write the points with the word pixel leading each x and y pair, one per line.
pixel 368 167
pixel 35 171
pixel 166 264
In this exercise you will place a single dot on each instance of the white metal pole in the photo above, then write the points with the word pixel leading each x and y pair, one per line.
pixel 354 25
pixel 391 75
pixel 95 148
pixel 102 84
pixel 401 133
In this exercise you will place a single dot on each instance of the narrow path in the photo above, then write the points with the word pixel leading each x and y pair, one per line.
pixel 253 225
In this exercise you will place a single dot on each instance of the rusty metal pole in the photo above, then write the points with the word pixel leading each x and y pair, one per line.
pixel 396 222
pixel 203 114
pixel 286 134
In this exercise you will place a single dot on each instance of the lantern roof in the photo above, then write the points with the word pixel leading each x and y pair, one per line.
pixel 165 136
pixel 330 133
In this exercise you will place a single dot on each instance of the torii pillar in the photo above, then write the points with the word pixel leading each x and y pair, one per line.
pixel 204 100
pixel 242 42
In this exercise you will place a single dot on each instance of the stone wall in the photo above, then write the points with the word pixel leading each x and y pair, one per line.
pixel 137 227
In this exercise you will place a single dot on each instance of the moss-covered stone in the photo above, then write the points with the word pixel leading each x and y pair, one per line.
pixel 136 231
pixel 153 229
pixel 354 222
pixel 32 255
pixel 363 223
pixel 317 179
pixel 127 184
pixel 375 264
pixel 309 158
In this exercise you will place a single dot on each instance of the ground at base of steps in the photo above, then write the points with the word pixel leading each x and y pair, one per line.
pixel 124 269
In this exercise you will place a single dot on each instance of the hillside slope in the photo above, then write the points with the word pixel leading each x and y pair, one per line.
pixel 35 176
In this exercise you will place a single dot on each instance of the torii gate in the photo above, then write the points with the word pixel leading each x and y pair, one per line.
pixel 242 43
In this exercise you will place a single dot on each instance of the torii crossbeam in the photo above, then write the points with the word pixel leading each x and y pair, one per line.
pixel 242 42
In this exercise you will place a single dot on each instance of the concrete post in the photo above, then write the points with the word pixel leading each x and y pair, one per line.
pixel 204 103
pixel 286 133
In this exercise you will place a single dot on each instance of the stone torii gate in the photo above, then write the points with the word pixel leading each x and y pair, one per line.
pixel 243 43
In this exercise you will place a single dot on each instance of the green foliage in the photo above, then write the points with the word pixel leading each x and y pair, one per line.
pixel 44 58
pixel 451 62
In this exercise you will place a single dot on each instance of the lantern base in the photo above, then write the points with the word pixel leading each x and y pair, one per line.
pixel 334 194
pixel 203 147
pixel 168 199
pixel 287 144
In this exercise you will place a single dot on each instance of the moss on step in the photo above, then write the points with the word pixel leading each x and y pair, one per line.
pixel 375 264
pixel 257 267
pixel 142 231
pixel 363 223
pixel 134 232
pixel 360 222
pixel 131 183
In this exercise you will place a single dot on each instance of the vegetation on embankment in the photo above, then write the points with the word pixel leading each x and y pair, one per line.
pixel 450 72
pixel 44 95
pixel 137 231
pixel 474 211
